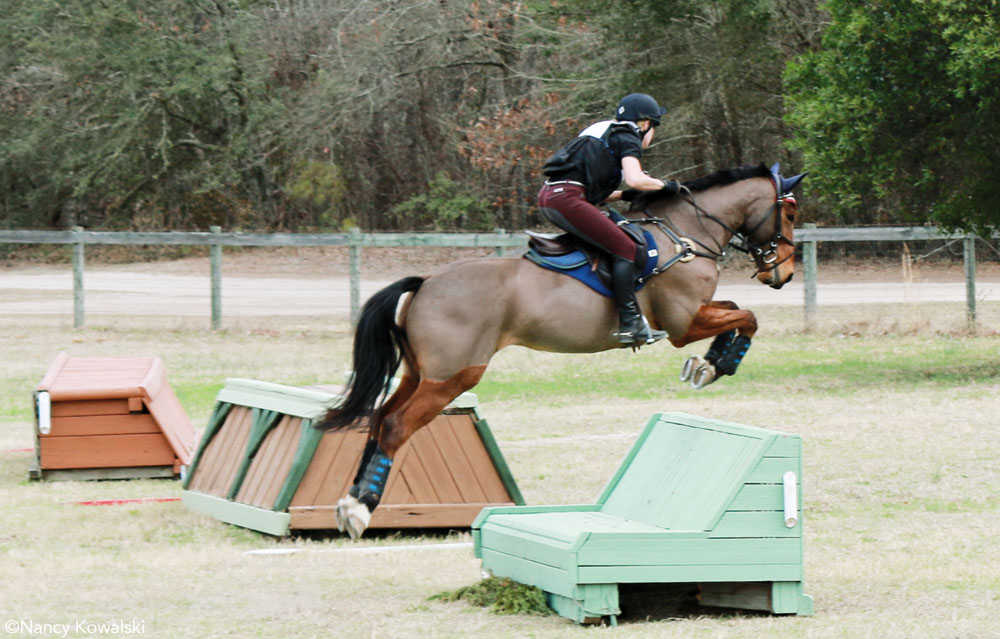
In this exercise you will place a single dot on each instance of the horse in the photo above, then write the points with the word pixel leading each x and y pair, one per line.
pixel 444 328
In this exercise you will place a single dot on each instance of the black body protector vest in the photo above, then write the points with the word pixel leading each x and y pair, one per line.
pixel 590 160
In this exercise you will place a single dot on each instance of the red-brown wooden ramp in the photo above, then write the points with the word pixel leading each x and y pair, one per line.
pixel 107 418
pixel 261 465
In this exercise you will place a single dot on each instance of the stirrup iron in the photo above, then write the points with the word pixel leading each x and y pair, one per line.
pixel 644 334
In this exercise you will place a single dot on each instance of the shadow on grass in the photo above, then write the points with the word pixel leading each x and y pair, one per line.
pixel 641 603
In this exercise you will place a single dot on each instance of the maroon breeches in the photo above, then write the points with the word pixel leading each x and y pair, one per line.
pixel 585 220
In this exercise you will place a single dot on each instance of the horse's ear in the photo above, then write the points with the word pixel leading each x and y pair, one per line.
pixel 789 184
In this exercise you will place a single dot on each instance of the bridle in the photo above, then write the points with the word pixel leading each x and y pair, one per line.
pixel 765 255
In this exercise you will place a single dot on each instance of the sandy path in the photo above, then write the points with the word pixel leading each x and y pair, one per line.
pixel 126 291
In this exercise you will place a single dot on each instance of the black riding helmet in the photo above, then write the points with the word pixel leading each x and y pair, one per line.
pixel 639 106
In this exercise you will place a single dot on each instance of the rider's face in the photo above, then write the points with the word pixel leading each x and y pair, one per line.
pixel 647 138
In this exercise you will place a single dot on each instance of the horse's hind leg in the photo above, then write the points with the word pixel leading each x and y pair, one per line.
pixel 425 403
pixel 407 385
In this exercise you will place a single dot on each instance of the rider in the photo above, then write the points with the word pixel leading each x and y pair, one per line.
pixel 586 172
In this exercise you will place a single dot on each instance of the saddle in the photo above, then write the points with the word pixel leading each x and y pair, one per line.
pixel 567 254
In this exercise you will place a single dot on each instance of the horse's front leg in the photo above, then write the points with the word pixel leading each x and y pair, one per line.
pixel 732 328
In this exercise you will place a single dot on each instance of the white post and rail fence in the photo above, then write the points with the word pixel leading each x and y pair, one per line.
pixel 808 236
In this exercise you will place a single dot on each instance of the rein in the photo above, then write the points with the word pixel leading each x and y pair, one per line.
pixel 765 255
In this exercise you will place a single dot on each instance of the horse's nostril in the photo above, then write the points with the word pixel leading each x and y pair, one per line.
pixel 790 278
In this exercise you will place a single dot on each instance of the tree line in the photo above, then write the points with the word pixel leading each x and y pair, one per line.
pixel 438 114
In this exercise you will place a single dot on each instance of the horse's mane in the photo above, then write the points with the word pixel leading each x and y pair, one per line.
pixel 719 178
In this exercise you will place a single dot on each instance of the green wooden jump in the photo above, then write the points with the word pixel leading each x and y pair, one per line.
pixel 695 501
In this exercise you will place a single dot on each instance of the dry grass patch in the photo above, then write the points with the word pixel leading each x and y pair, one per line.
pixel 900 487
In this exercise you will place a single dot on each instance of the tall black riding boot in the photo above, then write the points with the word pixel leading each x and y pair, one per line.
pixel 633 327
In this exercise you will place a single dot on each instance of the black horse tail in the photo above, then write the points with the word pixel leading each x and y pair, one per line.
pixel 379 347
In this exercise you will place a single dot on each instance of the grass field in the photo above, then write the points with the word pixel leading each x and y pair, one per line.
pixel 901 426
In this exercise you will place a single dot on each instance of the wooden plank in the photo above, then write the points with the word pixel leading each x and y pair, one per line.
pixel 391 516
pixel 496 511
pixel 417 473
pixel 269 467
pixel 689 574
pixel 323 478
pixel 600 601
pixel 305 449
pixel 53 371
pixel 754 524
pixel 262 422
pixel 683 477
pixel 758 497
pixel 548 578
pixel 259 469
pixel 96 474
pixel 788 597
pixel 231 445
pixel 340 474
pixel 92 378
pixel 286 445
pixel 220 412
pixel 770 470
pixel 223 454
pixel 524 545
pixel 83 408
pixel 425 515
pixel 628 550
pixel 308 403
pixel 439 463
pixel 259 519
pixel 312 517
pixel 457 465
pixel 102 425
pixel 106 451
pixel 487 476
pixel 785 445
pixel 569 525
pixel 169 414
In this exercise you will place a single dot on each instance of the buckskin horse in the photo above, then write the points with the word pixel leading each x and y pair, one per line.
pixel 445 328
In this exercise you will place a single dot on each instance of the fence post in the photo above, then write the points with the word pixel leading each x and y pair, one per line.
pixel 809 272
pixel 501 235
pixel 354 242
pixel 78 280
pixel 969 257
pixel 215 260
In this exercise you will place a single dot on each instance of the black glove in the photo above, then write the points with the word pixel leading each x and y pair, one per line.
pixel 671 187
pixel 630 194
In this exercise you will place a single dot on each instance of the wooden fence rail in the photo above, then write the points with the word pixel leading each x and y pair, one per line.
pixel 808 236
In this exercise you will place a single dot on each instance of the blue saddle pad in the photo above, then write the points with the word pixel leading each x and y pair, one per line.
pixel 577 266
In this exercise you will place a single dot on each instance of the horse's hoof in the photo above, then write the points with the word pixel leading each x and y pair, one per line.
pixel 703 376
pixel 690 366
pixel 352 517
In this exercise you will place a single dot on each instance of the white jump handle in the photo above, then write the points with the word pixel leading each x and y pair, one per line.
pixel 44 412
